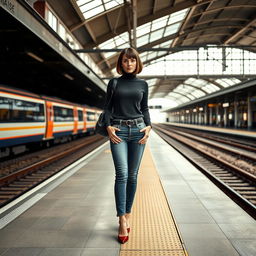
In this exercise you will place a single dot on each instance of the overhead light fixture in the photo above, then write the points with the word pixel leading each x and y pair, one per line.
pixel 88 89
pixel 225 105
pixel 68 76
pixel 35 56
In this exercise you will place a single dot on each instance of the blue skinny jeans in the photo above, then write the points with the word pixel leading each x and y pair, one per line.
pixel 127 156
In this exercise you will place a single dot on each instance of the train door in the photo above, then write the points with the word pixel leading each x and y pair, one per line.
pixel 85 119
pixel 75 120
pixel 49 120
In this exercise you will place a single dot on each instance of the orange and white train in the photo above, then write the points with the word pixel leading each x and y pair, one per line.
pixel 27 117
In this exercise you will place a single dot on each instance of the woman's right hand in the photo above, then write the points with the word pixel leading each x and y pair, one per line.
pixel 112 134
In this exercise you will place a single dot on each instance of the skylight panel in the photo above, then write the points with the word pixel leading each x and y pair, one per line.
pixel 142 40
pixel 198 93
pixel 223 82
pixel 196 82
pixel 156 35
pixel 125 45
pixel 159 54
pixel 226 82
pixel 94 12
pixel 92 4
pixel 151 82
pixel 91 8
pixel 166 44
pixel 143 29
pixel 172 29
pixel 159 23
pixel 107 43
pixel 108 54
pixel 183 88
pixel 209 88
pixel 184 92
pixel 143 58
pixel 121 39
pixel 177 16
pixel 179 97
pixel 152 55
pixel 81 2
pixel 236 80
pixel 143 54
pixel 110 5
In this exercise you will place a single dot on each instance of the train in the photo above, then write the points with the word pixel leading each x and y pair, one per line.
pixel 28 119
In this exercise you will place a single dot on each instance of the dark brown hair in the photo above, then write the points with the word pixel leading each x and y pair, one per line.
pixel 130 53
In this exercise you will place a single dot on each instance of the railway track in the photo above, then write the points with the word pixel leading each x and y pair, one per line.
pixel 231 168
pixel 23 173
pixel 234 141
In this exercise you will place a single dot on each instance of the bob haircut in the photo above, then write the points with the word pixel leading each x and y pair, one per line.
pixel 130 53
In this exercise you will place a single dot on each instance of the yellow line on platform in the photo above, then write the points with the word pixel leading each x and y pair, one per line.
pixel 153 229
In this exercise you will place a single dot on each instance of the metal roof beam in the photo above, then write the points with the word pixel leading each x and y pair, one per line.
pixel 81 16
pixel 184 77
pixel 184 95
pixel 154 6
pixel 250 6
pixel 215 83
pixel 85 21
pixel 128 17
pixel 148 18
pixel 240 31
pixel 195 87
pixel 180 32
pixel 134 23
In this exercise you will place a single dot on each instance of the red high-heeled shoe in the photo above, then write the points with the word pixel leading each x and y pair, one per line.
pixel 123 239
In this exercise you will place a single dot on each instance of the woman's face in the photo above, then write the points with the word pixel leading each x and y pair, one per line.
pixel 129 64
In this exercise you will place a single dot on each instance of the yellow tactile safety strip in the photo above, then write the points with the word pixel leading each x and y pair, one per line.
pixel 153 229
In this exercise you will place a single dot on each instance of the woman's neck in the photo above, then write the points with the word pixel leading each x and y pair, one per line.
pixel 128 75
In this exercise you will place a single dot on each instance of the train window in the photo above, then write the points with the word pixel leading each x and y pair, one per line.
pixel 62 114
pixel 80 115
pixel 90 116
pixel 15 110
pixel 62 31
pixel 52 20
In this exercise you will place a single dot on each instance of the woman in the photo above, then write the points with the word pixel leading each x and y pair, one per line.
pixel 128 130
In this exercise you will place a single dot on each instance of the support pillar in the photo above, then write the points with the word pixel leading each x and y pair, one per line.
pixel 206 114
pixel 210 116
pixel 235 112
pixel 217 115
pixel 225 117
pixel 249 111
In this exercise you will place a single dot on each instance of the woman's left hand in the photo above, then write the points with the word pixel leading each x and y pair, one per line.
pixel 145 137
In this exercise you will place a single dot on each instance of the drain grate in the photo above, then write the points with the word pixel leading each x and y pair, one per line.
pixel 153 230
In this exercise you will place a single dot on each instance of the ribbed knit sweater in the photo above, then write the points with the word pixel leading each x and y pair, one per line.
pixel 129 101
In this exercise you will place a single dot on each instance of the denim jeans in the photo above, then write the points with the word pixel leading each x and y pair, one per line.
pixel 127 156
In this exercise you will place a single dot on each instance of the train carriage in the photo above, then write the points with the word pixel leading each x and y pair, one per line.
pixel 22 118
pixel 27 117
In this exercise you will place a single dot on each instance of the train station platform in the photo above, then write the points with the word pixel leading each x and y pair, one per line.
pixel 230 131
pixel 177 211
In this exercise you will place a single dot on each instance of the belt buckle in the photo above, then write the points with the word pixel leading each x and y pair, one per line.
pixel 128 122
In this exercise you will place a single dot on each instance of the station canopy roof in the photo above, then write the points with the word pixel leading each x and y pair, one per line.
pixel 189 48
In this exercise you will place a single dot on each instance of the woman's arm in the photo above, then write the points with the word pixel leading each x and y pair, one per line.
pixel 144 106
pixel 108 103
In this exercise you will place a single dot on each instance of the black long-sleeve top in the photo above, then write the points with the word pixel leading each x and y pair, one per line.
pixel 129 101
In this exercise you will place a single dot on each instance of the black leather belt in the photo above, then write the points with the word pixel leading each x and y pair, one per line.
pixel 129 122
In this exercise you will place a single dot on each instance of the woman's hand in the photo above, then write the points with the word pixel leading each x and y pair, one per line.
pixel 146 130
pixel 112 134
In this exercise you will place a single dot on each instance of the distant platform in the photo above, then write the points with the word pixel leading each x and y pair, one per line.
pixel 240 132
